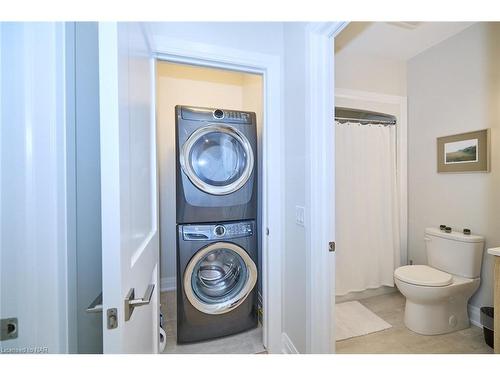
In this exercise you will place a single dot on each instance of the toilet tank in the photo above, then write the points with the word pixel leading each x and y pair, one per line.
pixel 454 252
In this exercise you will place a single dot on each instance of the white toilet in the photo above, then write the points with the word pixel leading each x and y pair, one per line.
pixel 437 294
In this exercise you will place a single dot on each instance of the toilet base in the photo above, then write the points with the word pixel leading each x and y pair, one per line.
pixel 436 319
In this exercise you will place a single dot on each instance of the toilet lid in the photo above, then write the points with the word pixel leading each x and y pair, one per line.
pixel 423 275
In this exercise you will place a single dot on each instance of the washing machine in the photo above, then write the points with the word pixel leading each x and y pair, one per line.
pixel 216 280
pixel 216 178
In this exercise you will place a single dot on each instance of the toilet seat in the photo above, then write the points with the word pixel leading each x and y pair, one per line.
pixel 423 275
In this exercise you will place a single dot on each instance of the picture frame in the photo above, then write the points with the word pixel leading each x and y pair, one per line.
pixel 465 152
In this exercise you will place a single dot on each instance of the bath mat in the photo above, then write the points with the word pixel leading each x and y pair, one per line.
pixel 352 319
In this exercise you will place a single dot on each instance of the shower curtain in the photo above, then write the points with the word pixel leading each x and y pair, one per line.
pixel 367 213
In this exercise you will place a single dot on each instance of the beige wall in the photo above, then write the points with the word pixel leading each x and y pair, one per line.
pixel 368 73
pixel 196 86
pixel 454 87
pixel 356 70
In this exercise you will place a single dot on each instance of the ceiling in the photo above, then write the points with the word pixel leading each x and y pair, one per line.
pixel 395 40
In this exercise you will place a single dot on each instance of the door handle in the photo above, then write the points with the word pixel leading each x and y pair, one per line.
pixel 131 303
pixel 96 305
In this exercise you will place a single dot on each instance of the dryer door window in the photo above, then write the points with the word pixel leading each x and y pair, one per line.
pixel 217 159
pixel 219 278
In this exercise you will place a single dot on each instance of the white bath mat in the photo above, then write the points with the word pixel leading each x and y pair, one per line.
pixel 353 319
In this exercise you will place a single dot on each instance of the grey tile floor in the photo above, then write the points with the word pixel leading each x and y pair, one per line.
pixel 399 339
pixel 249 342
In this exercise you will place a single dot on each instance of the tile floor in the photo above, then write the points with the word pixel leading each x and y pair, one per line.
pixel 399 339
pixel 243 343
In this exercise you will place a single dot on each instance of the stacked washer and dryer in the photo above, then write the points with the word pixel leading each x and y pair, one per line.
pixel 217 246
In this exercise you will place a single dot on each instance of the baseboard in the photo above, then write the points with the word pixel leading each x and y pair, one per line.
pixel 287 346
pixel 475 315
pixel 167 284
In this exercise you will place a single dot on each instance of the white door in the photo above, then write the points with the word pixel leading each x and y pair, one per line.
pixel 130 244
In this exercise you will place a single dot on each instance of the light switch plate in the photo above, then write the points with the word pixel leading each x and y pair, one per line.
pixel 300 215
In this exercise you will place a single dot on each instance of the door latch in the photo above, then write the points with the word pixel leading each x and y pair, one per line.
pixel 331 246
pixel 112 318
pixel 8 329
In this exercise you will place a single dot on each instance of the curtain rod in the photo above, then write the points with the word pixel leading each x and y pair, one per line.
pixel 365 122
pixel 363 117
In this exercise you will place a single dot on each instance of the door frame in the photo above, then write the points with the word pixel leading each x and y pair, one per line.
pixel 269 67
pixel 320 188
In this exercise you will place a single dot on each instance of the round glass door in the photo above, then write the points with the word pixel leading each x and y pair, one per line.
pixel 217 159
pixel 219 277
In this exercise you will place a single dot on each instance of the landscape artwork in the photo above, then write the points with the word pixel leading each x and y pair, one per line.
pixel 465 152
pixel 461 151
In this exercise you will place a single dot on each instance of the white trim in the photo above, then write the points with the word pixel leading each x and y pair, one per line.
pixel 402 153
pixel 474 315
pixel 269 66
pixel 70 112
pixel 287 346
pixel 168 284
pixel 320 188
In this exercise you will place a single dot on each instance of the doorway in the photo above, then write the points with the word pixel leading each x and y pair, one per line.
pixel 202 87
pixel 265 71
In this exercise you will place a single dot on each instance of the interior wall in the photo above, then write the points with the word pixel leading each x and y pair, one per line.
pixel 88 186
pixel 454 87
pixel 196 86
pixel 368 73
pixel 263 37
pixel 355 70
pixel 295 263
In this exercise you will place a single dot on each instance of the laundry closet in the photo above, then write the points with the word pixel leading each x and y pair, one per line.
pixel 209 149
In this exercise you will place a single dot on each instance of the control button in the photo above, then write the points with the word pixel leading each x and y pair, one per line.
pixel 466 231
pixel 447 229
pixel 442 227
pixel 219 230
pixel 218 113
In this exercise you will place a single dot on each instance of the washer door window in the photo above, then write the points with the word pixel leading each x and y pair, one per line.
pixel 217 159
pixel 219 278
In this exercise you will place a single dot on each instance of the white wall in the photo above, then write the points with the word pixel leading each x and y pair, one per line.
pixel 33 285
pixel 88 186
pixel 366 72
pixel 295 262
pixel 454 87
pixel 195 86
pixel 264 37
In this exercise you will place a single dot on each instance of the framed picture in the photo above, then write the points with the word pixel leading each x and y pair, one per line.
pixel 466 152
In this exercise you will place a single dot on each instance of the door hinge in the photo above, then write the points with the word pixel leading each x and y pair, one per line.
pixel 331 246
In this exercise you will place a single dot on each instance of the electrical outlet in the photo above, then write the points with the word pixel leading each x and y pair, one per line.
pixel 300 215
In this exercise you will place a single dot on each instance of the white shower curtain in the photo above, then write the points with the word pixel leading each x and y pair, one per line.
pixel 367 219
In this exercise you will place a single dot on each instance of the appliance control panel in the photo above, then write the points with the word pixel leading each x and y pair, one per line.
pixel 215 114
pixel 222 231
